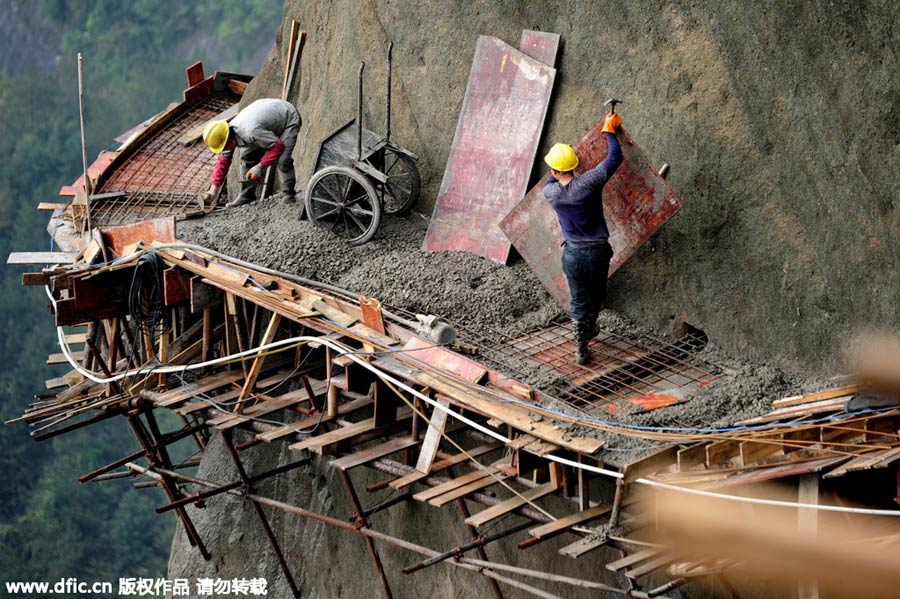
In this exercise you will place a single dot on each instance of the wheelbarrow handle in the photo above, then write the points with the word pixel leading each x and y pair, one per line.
pixel 359 110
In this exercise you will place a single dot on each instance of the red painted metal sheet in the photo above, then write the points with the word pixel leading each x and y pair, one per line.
pixel 444 359
pixel 540 45
pixel 636 202
pixel 493 150
pixel 148 231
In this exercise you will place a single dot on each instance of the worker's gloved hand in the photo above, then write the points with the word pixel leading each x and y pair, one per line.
pixel 612 123
pixel 255 173
pixel 204 198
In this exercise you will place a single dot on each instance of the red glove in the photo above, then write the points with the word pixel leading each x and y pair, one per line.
pixel 612 123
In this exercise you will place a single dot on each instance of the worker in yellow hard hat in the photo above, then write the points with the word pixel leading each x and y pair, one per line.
pixel 578 202
pixel 266 133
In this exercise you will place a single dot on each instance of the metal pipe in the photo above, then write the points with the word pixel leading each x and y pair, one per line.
pixel 87 179
pixel 368 532
pixel 387 117
pixel 359 112
pixel 458 551
pixel 196 497
pixel 263 521
pixel 482 554
pixel 362 522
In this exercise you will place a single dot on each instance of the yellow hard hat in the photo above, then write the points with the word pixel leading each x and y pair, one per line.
pixel 561 157
pixel 215 135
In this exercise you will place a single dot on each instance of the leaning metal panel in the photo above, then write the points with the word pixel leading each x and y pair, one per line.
pixel 636 202
pixel 163 176
pixel 493 150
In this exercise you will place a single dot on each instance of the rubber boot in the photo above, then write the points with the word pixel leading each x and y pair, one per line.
pixel 580 330
pixel 593 329
pixel 247 195
pixel 288 183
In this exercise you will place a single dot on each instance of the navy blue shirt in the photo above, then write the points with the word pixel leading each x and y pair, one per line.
pixel 579 205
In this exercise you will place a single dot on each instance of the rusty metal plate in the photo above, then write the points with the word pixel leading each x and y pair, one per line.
pixel 493 150
pixel 148 231
pixel 636 202
pixel 540 45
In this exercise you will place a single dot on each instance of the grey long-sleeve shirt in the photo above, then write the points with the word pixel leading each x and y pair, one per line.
pixel 261 124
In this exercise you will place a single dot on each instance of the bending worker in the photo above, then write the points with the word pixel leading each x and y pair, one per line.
pixel 578 203
pixel 266 132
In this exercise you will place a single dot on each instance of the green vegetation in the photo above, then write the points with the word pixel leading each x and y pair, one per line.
pixel 135 53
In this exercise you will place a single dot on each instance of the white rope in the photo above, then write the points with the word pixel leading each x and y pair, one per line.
pixel 385 376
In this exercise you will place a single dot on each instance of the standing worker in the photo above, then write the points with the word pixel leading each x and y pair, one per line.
pixel 266 133
pixel 578 203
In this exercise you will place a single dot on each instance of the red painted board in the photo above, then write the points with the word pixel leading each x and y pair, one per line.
pixel 636 202
pixel 540 45
pixel 147 231
pixel 443 359
pixel 97 168
pixel 493 150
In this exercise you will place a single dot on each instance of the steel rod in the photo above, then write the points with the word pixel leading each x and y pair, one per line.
pixel 458 551
pixel 368 532
pixel 87 179
pixel 359 112
pixel 263 520
pixel 354 498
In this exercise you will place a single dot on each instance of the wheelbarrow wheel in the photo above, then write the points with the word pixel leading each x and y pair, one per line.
pixel 343 201
pixel 401 190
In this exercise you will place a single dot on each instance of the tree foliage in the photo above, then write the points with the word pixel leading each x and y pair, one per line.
pixel 135 53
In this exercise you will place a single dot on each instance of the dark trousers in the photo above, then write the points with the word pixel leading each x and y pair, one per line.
pixel 586 266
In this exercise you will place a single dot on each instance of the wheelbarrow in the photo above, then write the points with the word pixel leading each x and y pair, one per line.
pixel 359 174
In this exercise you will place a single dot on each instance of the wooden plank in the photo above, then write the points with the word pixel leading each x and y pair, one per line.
pixel 433 435
pixel 818 396
pixel 868 461
pixel 61 358
pixel 633 559
pixel 371 313
pixel 515 416
pixel 722 452
pixel 373 453
pixel 451 485
pixel 196 133
pixel 236 87
pixel 35 279
pixel 42 258
pixel 692 457
pixel 754 451
pixel 306 423
pixel 492 479
pixel 51 206
pixel 511 504
pixel 580 547
pixel 76 338
pixel 332 313
pixel 374 335
pixel 209 383
pixel 353 434
pixel 260 358
pixel 651 464
pixel 176 285
pixel 551 529
pixel 651 565
pixel 56 382
pixel 444 464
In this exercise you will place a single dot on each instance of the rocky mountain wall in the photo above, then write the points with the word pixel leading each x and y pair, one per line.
pixel 781 122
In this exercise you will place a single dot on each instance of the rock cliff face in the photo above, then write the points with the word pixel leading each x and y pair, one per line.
pixel 781 123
